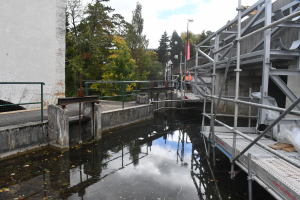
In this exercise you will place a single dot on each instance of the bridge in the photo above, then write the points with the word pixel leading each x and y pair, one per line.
pixel 253 62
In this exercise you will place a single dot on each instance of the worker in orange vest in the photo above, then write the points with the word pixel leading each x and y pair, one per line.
pixel 188 79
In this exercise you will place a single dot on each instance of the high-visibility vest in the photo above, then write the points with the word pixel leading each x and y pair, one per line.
pixel 188 78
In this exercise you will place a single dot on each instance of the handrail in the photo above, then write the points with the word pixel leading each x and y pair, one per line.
pixel 268 129
pixel 258 143
pixel 24 83
pixel 123 93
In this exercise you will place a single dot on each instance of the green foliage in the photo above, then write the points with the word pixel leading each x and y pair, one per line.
pixel 163 49
pixel 176 49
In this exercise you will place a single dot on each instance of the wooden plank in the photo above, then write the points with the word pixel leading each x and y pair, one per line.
pixel 275 147
pixel 283 145
pixel 289 149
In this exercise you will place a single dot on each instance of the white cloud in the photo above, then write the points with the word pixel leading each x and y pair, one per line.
pixel 210 15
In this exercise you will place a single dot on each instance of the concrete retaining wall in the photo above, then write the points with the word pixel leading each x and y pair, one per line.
pixel 123 117
pixel 58 132
pixel 19 138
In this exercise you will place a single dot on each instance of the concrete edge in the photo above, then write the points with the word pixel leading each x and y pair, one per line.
pixel 112 128
pixel 6 128
pixel 127 108
pixel 22 151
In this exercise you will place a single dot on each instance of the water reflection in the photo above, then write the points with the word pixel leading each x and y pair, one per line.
pixel 163 158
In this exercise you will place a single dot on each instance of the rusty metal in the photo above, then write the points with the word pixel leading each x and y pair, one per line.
pixel 71 100
pixel 80 91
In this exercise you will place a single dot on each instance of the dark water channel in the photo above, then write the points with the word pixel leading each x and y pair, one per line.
pixel 159 159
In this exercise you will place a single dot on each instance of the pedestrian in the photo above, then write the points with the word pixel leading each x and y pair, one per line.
pixel 188 79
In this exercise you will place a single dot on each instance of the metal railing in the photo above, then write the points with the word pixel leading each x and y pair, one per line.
pixel 18 104
pixel 117 89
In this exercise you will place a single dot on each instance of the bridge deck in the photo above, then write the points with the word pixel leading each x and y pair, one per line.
pixel 280 176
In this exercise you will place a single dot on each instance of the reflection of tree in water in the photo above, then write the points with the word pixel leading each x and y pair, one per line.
pixel 134 151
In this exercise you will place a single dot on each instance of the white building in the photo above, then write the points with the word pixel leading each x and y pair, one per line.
pixel 32 38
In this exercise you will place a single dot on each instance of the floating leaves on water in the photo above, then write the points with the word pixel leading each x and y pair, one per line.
pixel 73 165
pixel 46 169
pixel 12 174
pixel 54 158
pixel 46 159
pixel 26 165
pixel 1 190
pixel 45 198
pixel 229 197
pixel 213 180
pixel 89 151
pixel 6 189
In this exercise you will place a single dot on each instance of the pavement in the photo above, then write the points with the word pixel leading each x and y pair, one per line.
pixel 34 115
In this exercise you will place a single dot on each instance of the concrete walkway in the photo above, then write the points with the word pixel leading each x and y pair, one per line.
pixel 26 116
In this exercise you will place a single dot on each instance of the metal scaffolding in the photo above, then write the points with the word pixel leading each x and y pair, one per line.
pixel 268 23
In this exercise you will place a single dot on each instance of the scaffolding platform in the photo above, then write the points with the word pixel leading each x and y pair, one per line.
pixel 277 175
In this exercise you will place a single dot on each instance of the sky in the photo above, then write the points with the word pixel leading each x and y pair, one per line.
pixel 169 15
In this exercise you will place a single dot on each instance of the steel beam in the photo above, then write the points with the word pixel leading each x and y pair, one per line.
pixel 289 24
pixel 284 72
pixel 205 55
pixel 284 88
pixel 266 61
pixel 229 24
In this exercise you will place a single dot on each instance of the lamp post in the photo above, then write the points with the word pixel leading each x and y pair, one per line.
pixel 187 40
pixel 187 43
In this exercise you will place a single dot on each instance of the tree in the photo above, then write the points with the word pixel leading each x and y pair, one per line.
pixel 156 68
pixel 163 50
pixel 176 49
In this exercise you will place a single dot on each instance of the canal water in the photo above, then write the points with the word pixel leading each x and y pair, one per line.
pixel 161 159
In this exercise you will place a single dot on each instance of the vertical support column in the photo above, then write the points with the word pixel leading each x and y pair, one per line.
pixel 204 107
pixel 266 61
pixel 249 176
pixel 123 95
pixel 101 91
pixel 42 103
pixel 196 75
pixel 237 82
pixel 86 89
pixel 212 131
pixel 249 113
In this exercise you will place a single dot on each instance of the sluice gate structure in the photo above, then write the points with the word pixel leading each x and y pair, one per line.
pixel 255 54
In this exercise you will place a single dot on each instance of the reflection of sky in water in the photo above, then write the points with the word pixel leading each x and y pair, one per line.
pixel 156 176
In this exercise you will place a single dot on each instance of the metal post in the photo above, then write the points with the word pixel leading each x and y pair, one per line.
pixel 204 110
pixel 237 82
pixel 101 91
pixel 148 93
pixel 249 113
pixel 86 89
pixel 123 95
pixel 135 92
pixel 196 77
pixel 212 132
pixel 79 123
pixel 42 102
pixel 249 176
pixel 266 60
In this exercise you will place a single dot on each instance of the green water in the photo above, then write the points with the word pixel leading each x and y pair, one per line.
pixel 159 159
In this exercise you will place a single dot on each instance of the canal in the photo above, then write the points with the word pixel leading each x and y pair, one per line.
pixel 160 159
